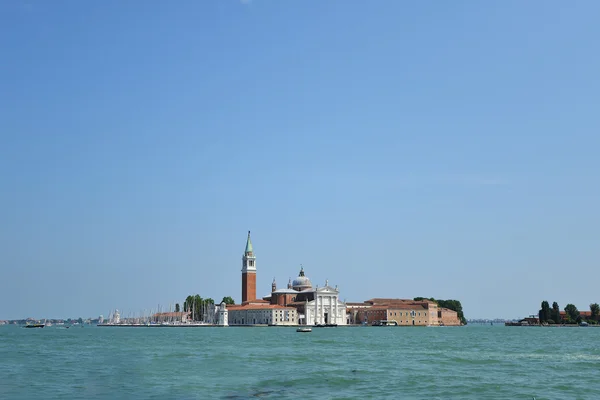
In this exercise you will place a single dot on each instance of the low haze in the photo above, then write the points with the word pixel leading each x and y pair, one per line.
pixel 397 149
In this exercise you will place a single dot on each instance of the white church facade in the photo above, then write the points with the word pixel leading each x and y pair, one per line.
pixel 325 309
pixel 315 305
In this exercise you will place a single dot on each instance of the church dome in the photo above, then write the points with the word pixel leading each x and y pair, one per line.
pixel 301 282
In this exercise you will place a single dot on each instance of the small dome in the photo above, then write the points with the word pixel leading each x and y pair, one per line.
pixel 301 282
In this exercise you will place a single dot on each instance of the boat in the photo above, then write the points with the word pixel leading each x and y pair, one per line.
pixel 385 322
pixel 37 325
pixel 304 330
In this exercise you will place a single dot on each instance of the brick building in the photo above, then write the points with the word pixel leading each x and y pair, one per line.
pixel 402 312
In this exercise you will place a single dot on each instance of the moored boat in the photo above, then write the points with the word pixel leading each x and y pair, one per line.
pixel 305 330
pixel 384 322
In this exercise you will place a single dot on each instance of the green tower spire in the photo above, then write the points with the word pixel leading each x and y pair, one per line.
pixel 249 244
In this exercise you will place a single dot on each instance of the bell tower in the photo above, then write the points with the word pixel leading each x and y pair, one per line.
pixel 248 272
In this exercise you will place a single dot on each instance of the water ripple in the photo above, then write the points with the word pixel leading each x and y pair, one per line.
pixel 377 363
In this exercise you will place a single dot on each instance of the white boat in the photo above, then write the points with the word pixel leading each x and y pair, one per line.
pixel 304 330
pixel 385 322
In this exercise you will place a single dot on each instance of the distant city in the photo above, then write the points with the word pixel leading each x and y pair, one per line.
pixel 298 303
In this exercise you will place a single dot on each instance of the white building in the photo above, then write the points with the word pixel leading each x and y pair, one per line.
pixel 326 308
pixel 316 306
pixel 218 314
pixel 259 313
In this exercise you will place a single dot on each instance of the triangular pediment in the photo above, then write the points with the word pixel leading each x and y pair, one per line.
pixel 327 289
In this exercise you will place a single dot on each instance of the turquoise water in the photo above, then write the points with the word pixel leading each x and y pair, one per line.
pixel 473 362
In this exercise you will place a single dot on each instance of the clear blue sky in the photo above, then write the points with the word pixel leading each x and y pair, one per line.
pixel 398 149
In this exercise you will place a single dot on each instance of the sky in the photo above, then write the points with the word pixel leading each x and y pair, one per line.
pixel 397 149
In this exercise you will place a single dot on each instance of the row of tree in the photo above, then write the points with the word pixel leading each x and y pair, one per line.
pixel 449 304
pixel 572 315
pixel 198 306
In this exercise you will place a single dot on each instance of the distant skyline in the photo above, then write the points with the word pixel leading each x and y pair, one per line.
pixel 445 150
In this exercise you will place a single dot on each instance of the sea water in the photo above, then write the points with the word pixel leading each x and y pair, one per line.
pixel 472 362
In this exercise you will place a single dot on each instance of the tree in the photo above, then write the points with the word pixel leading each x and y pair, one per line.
pixel 187 304
pixel 80 320
pixel 193 305
pixel 544 313
pixel 555 313
pixel 572 313
pixel 197 306
pixel 228 300
pixel 595 311
pixel 177 309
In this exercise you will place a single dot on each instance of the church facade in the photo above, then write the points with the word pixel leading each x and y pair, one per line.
pixel 315 305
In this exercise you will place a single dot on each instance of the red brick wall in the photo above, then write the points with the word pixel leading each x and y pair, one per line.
pixel 371 315
pixel 248 286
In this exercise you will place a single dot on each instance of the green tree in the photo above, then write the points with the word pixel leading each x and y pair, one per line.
pixel 197 308
pixel 572 313
pixel 424 298
pixel 595 311
pixel 555 313
pixel 177 309
pixel 80 320
pixel 187 304
pixel 228 300
pixel 193 305
pixel 544 313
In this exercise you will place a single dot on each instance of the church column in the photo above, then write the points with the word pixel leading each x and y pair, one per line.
pixel 316 308
pixel 333 310
pixel 336 309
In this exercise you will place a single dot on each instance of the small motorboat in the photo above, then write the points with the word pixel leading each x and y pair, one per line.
pixel 36 325
pixel 304 330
